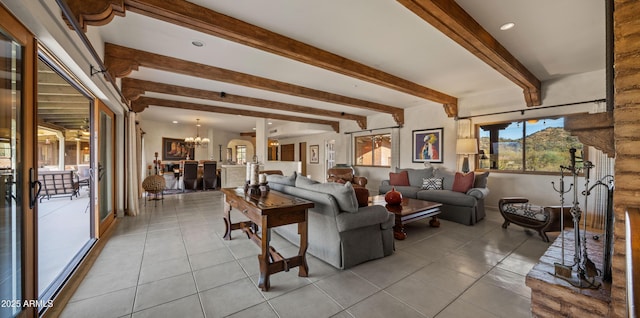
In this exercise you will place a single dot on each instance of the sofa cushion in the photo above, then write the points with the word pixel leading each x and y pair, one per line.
pixel 526 210
pixel 399 179
pixel 285 180
pixel 416 175
pixel 407 191
pixel 362 196
pixel 447 178
pixel 304 182
pixel 447 197
pixel 432 184
pixel 343 193
pixel 481 180
pixel 463 182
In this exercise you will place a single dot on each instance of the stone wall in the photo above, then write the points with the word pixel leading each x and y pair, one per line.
pixel 627 139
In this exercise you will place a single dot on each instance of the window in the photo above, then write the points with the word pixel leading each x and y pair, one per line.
pixel 241 154
pixel 373 150
pixel 532 146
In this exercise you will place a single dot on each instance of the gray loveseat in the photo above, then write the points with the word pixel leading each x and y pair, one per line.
pixel 465 208
pixel 340 233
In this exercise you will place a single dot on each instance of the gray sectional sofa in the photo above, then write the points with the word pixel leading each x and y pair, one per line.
pixel 340 232
pixel 465 208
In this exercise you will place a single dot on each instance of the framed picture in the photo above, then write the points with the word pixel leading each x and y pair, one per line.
pixel 314 150
pixel 427 145
pixel 175 149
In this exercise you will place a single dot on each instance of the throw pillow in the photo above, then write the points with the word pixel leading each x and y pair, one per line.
pixel 362 195
pixel 416 175
pixel 447 178
pixel 302 181
pixel 481 180
pixel 286 180
pixel 432 183
pixel 463 182
pixel 399 179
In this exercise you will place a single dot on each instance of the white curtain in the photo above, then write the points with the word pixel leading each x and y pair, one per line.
pixel 604 166
pixel 133 175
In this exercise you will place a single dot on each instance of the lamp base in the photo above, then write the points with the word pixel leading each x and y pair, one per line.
pixel 465 165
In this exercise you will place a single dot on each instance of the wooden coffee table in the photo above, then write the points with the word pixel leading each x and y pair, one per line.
pixel 408 211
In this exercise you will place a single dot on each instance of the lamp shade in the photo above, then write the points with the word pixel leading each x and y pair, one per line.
pixel 467 146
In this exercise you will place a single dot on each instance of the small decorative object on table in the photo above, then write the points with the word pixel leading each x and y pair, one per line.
pixel 393 197
pixel 264 185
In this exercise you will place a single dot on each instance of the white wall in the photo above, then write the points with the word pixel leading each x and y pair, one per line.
pixel 538 188
pixel 155 131
pixel 318 171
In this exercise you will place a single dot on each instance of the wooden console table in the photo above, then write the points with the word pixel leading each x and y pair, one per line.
pixel 266 211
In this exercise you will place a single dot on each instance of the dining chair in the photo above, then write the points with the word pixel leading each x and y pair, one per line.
pixel 209 175
pixel 190 175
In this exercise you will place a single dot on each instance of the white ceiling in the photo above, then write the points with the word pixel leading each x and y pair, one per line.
pixel 552 38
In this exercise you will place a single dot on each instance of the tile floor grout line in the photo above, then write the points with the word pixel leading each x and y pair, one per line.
pixel 144 246
pixel 478 279
pixel 193 276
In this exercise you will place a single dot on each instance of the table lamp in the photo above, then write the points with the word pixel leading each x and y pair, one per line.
pixel 466 147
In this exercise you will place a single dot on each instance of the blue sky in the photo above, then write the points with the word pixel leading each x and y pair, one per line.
pixel 515 132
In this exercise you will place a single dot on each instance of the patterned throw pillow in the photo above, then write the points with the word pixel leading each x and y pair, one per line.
pixel 432 183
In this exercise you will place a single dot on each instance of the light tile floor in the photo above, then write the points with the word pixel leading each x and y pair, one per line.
pixel 171 261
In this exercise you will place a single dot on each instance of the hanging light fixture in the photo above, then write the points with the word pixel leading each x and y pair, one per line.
pixel 197 141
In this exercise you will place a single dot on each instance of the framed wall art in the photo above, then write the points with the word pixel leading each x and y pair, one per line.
pixel 176 149
pixel 428 145
pixel 314 154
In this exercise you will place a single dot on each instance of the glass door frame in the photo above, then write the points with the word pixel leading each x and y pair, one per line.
pixel 27 151
pixel 103 224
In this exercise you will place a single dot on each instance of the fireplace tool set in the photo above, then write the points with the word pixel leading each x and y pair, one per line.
pixel 585 270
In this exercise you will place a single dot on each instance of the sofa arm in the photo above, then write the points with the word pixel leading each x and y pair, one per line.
pixel 366 216
pixel 478 193
pixel 361 181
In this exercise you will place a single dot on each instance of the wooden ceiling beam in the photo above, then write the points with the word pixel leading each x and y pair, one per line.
pixel 201 19
pixel 144 102
pixel 449 18
pixel 132 88
pixel 121 61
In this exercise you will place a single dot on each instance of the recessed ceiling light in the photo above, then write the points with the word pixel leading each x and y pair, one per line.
pixel 175 121
pixel 507 26
pixel 270 123
pixel 197 43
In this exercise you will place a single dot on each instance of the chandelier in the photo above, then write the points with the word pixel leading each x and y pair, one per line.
pixel 192 142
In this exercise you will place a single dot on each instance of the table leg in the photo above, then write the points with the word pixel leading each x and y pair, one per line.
pixel 434 222
pixel 398 229
pixel 398 232
pixel 263 258
pixel 227 221
pixel 303 269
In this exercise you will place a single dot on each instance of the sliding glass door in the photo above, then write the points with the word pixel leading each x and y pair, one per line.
pixel 17 259
pixel 65 205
